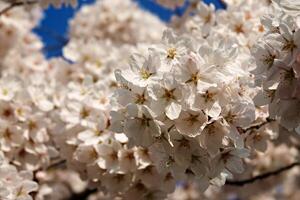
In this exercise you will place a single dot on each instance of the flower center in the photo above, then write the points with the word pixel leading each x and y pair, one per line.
pixel 194 79
pixel 171 53
pixel 269 60
pixel 208 96
pixel 5 91
pixel 289 46
pixel 239 28
pixel 140 99
pixel 169 94
pixel 192 119
pixel 145 74
pixel 84 113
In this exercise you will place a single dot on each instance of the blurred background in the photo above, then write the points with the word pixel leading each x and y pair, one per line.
pixel 53 29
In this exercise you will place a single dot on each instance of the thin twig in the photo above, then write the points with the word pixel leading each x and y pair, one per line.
pixel 82 195
pixel 6 9
pixel 16 4
pixel 262 176
pixel 223 3
pixel 257 126
pixel 57 164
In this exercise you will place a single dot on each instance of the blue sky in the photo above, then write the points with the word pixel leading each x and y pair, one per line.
pixel 54 27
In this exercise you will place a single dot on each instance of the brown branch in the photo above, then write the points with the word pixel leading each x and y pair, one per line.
pixel 57 164
pixel 16 4
pixel 262 176
pixel 82 195
pixel 257 126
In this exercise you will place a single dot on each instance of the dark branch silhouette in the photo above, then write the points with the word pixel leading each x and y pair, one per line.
pixel 82 195
pixel 262 176
pixel 257 126
pixel 57 164
pixel 16 4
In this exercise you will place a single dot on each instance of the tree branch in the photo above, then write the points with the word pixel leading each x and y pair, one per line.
pixel 16 4
pixel 57 164
pixel 224 4
pixel 82 195
pixel 262 176
pixel 257 126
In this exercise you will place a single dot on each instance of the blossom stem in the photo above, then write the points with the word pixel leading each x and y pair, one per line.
pixel 16 4
pixel 257 126
pixel 262 176
pixel 82 195
pixel 58 164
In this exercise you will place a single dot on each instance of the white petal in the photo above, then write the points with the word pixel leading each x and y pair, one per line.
pixel 173 110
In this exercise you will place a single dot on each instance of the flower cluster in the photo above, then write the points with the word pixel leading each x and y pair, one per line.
pixel 103 157
pixel 99 155
pixel 277 56
pixel 58 184
pixel 15 184
pixel 17 39
pixel 24 125
pixel 283 185
pixel 240 20
pixel 135 116
pixel 120 21
pixel 187 105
